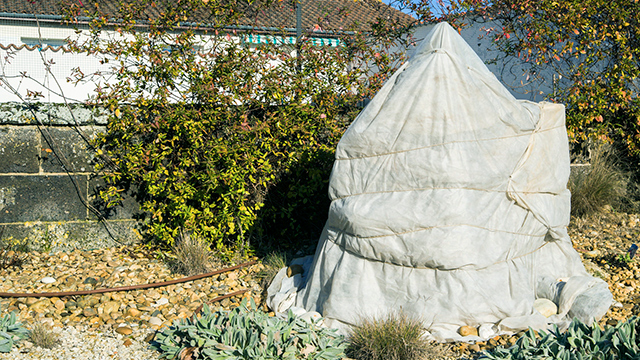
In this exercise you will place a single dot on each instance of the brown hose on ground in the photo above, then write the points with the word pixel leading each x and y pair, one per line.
pixel 131 287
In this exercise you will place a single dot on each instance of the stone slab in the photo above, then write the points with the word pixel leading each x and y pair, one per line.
pixel 19 149
pixel 14 113
pixel 67 236
pixel 67 145
pixel 128 209
pixel 42 198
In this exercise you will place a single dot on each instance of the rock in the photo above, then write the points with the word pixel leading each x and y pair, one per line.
pixel 474 347
pixel 40 306
pixel 133 312
pixel 545 306
pixel 111 306
pixel 48 280
pixel 294 269
pixel 89 312
pixel 161 301
pixel 312 316
pixel 59 305
pixel 124 330
pixel 149 338
pixel 127 342
pixel 30 301
pixel 486 331
pixel 468 331
pixel 155 321
pixel 90 281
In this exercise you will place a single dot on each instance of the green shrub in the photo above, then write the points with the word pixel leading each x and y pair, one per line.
pixel 248 334
pixel 233 143
pixel 394 337
pixel 42 336
pixel 599 184
pixel 11 331
pixel 579 342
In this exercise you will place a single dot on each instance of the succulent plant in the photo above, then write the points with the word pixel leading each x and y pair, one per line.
pixel 11 331
pixel 579 342
pixel 248 333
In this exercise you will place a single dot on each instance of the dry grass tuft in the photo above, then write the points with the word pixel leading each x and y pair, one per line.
pixel 273 262
pixel 192 255
pixel 597 185
pixel 43 337
pixel 394 337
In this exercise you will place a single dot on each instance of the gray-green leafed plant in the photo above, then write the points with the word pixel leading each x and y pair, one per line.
pixel 579 342
pixel 11 332
pixel 248 333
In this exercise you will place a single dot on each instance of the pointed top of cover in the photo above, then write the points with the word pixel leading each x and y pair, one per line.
pixel 443 93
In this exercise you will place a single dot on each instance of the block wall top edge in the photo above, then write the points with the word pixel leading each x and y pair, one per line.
pixel 13 113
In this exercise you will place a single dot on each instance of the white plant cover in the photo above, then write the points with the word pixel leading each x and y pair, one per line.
pixel 449 202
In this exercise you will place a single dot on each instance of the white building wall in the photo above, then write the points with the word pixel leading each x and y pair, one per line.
pixel 25 67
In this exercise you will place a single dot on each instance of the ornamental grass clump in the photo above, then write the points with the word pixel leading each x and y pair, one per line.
pixel 272 263
pixel 578 342
pixel 599 184
pixel 191 255
pixel 248 333
pixel 43 337
pixel 394 337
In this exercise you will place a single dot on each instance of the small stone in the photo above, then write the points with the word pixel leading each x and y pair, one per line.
pixel 111 306
pixel 162 301
pixel 474 347
pixel 90 281
pixel 40 306
pixel 59 305
pixel 545 306
pixel 30 301
pixel 89 312
pixel 155 321
pixel 133 312
pixel 149 338
pixel 294 269
pixel 127 342
pixel 124 330
pixel 468 331
pixel 48 280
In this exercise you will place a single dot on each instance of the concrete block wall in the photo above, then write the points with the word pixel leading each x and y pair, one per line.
pixel 43 200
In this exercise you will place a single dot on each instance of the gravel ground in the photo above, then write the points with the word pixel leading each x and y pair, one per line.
pixel 80 343
pixel 86 326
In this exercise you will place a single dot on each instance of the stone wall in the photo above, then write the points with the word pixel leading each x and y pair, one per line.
pixel 47 182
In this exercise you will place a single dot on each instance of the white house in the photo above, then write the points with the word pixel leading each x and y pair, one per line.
pixel 35 61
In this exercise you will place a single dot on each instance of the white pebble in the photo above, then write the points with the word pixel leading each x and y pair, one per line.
pixel 155 321
pixel 48 280
pixel 162 301
pixel 546 307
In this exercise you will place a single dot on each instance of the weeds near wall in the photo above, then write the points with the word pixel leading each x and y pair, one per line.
pixel 599 184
